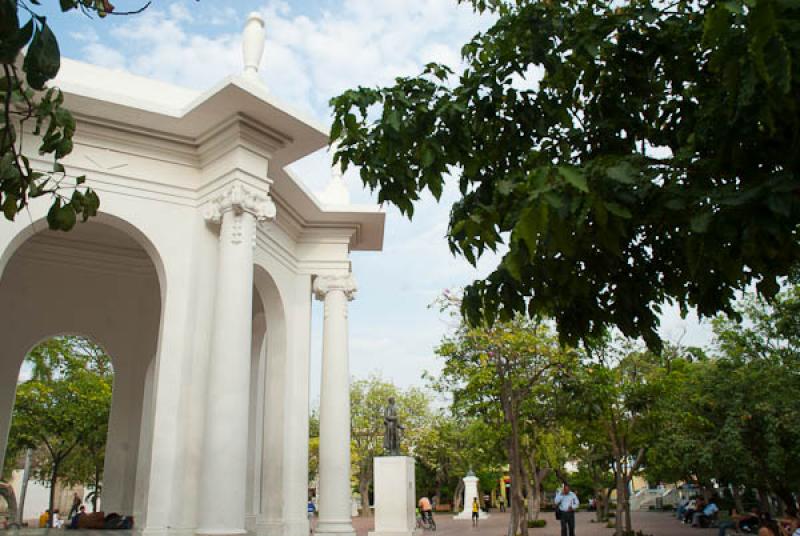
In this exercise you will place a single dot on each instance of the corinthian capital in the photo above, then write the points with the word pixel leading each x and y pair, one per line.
pixel 240 199
pixel 323 284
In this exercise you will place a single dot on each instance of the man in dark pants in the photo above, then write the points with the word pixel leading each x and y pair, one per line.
pixel 567 503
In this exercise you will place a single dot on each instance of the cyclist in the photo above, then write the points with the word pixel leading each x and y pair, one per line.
pixel 426 508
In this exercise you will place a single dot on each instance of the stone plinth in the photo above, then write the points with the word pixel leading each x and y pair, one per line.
pixel 470 493
pixel 395 496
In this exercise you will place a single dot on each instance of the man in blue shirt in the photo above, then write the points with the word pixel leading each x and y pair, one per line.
pixel 567 503
pixel 704 518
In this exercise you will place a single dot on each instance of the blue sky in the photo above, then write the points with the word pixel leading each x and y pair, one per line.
pixel 316 49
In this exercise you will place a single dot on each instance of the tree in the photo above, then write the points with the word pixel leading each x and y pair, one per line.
pixel 617 391
pixel 498 373
pixel 625 154
pixel 728 421
pixel 26 96
pixel 449 446
pixel 63 410
pixel 368 399
pixel 313 445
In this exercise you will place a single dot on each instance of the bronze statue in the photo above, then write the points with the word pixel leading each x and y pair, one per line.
pixel 391 436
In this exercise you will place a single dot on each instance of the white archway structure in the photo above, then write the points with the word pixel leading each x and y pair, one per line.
pixel 197 277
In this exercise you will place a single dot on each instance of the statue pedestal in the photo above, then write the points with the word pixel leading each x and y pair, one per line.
pixel 395 496
pixel 470 493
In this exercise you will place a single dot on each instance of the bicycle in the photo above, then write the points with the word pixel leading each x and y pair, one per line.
pixel 426 521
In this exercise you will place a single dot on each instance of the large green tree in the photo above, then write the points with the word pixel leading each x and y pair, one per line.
pixel 618 395
pixel 729 421
pixel 503 374
pixel 62 412
pixel 625 153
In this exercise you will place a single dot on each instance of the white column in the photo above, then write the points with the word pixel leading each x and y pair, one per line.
pixel 470 493
pixel 334 419
pixel 224 466
pixel 124 426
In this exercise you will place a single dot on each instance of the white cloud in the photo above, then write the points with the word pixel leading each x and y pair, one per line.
pixel 181 13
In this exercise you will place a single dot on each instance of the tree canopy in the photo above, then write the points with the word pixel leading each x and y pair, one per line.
pixel 620 154
pixel 62 412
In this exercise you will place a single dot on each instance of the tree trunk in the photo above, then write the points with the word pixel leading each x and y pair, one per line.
pixel 536 498
pixel 598 504
pixel 53 482
pixel 763 498
pixel 457 495
pixel 628 522
pixel 620 481
pixel 363 489
pixel 96 488
pixel 518 520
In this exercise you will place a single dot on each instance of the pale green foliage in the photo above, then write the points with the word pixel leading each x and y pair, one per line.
pixel 62 411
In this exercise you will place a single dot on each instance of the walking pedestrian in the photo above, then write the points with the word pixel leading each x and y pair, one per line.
pixel 567 503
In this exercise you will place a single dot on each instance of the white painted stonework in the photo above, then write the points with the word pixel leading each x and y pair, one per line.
pixel 470 493
pixel 197 277
pixel 395 496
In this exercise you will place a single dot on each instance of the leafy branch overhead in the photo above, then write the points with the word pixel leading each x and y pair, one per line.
pixel 29 106
pixel 624 154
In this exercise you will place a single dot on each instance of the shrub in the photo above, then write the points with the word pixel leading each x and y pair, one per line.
pixel 536 523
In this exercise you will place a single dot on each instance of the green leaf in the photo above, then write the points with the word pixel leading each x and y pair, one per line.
pixel 623 173
pixel 10 207
pixel 67 217
pixel 52 215
pixel 11 43
pixel 43 59
pixel 619 210
pixel 574 176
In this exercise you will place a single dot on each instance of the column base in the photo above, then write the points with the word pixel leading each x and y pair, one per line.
pixel 270 528
pixel 220 532
pixel 467 516
pixel 335 528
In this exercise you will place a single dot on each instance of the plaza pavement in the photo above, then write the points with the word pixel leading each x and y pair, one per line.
pixel 655 523
pixel 651 523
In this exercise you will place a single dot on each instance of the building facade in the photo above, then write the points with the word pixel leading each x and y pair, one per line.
pixel 197 277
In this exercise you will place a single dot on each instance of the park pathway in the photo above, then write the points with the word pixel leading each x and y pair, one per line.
pixel 651 523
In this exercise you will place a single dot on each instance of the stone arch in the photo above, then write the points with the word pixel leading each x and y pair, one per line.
pixel 266 396
pixel 21 233
pixel 28 506
pixel 103 280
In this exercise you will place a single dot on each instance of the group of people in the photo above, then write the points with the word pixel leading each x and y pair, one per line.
pixel 697 511
pixel 761 523
pixel 702 513
pixel 75 512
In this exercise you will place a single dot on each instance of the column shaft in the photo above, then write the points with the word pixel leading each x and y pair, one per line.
pixel 334 435
pixel 222 493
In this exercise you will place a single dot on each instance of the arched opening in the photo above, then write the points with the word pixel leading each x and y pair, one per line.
pixel 59 429
pixel 265 442
pixel 101 281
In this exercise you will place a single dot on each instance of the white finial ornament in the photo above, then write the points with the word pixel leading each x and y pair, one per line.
pixel 253 44
pixel 336 193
